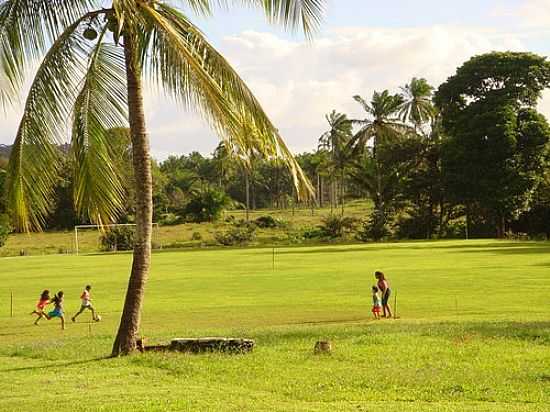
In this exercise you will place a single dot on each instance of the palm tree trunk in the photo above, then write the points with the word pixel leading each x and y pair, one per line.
pixel 342 190
pixel 247 190
pixel 125 341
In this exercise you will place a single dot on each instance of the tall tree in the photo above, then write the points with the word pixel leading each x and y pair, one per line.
pixel 496 148
pixel 337 141
pixel 98 79
pixel 417 107
pixel 381 125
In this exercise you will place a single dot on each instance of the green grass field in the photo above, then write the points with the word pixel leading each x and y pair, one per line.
pixel 473 332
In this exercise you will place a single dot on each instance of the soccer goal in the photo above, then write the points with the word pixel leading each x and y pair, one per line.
pixel 79 230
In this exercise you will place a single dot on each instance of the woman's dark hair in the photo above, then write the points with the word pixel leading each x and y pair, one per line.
pixel 45 295
pixel 379 275
pixel 88 287
pixel 57 298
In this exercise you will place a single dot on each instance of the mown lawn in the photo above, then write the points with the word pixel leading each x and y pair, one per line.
pixel 473 332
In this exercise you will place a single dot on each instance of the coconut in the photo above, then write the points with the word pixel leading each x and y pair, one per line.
pixel 90 34
pixel 112 25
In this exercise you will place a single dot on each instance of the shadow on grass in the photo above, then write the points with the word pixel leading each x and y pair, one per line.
pixel 536 332
pixel 513 250
pixel 56 365
pixel 504 247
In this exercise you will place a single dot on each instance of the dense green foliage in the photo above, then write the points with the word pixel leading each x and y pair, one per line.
pixel 469 161
pixel 118 238
pixel 206 206
pixel 496 152
pixel 466 340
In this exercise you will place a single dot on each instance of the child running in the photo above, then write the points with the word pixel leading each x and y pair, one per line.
pixel 86 304
pixel 57 311
pixel 41 305
pixel 376 303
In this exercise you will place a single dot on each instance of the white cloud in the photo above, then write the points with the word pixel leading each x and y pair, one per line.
pixel 529 13
pixel 298 82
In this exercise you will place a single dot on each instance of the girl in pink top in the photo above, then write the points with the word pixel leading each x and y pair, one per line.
pixel 384 287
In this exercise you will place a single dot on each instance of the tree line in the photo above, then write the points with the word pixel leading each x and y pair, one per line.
pixel 469 159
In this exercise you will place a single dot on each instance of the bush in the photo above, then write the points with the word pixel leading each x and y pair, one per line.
pixel 118 238
pixel 169 219
pixel 373 229
pixel 269 222
pixel 416 226
pixel 5 229
pixel 335 227
pixel 310 233
pixel 196 236
pixel 236 236
pixel 206 206
pixel 455 230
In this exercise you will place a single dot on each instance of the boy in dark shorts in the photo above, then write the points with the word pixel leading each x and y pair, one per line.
pixel 86 304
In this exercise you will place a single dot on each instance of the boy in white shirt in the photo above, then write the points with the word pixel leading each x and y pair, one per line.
pixel 86 299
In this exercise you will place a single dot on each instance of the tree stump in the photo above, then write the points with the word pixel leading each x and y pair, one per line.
pixel 214 344
pixel 322 347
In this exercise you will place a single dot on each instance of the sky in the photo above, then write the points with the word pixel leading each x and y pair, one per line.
pixel 363 46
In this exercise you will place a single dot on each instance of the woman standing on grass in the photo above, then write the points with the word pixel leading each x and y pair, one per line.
pixel 385 290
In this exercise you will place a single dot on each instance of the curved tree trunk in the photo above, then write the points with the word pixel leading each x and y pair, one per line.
pixel 342 190
pixel 247 194
pixel 125 341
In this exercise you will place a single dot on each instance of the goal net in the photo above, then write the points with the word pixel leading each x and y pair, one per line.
pixel 87 238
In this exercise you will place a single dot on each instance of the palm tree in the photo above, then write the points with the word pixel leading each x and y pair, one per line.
pixel 381 124
pixel 417 107
pixel 94 57
pixel 337 141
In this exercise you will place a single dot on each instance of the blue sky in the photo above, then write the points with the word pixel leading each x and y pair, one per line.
pixel 394 13
pixel 363 46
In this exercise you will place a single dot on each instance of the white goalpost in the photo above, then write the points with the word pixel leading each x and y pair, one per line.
pixel 82 227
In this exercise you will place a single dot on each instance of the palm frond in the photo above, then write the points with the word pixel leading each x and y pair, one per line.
pixel 34 159
pixel 101 105
pixel 293 14
pixel 27 30
pixel 201 79
pixel 366 107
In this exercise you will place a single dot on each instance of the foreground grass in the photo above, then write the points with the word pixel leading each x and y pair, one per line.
pixel 473 333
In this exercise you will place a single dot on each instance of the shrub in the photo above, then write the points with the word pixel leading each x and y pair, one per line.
pixel 455 230
pixel 267 222
pixel 196 236
pixel 206 206
pixel 118 238
pixel 309 233
pixel 416 226
pixel 335 227
pixel 5 229
pixel 236 236
pixel 373 229
pixel 169 219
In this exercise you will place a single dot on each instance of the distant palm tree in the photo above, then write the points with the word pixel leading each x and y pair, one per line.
pixel 95 55
pixel 417 107
pixel 337 141
pixel 381 124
